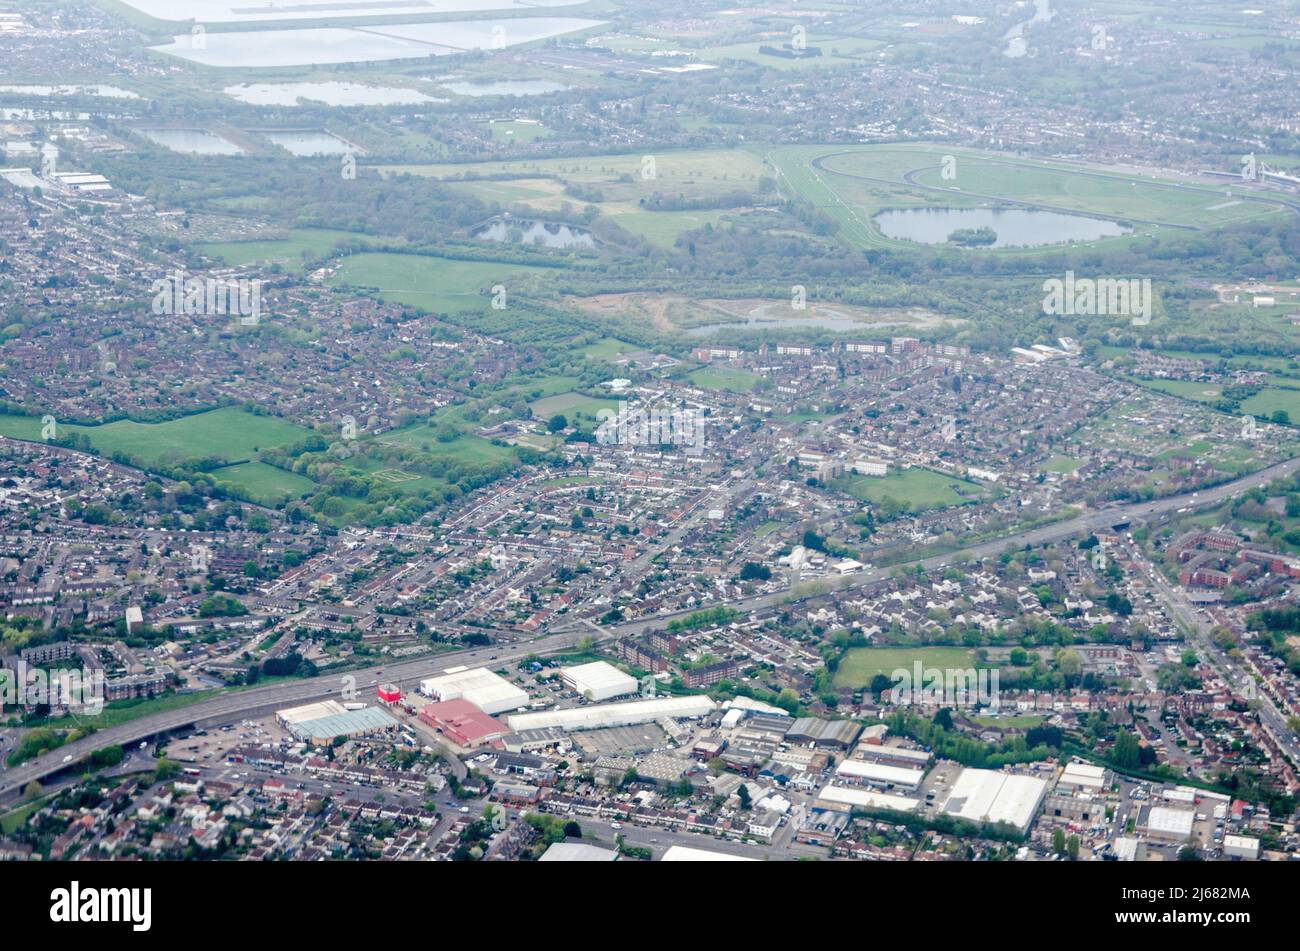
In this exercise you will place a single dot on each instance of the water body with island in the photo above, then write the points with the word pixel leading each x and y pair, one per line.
pixel 1015 227
pixel 546 233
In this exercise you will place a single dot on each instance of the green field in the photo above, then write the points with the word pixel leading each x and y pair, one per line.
pixel 622 181
pixel 860 664
pixel 854 183
pixel 263 484
pixel 508 130
pixel 1268 401
pixel 575 407
pixel 733 381
pixel 916 489
pixel 227 433
pixel 290 251
pixel 1063 465
pixel 1186 389
pixel 611 348
pixel 469 449
pixel 437 285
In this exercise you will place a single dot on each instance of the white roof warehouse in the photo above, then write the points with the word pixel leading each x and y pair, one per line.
pixel 612 714
pixel 488 691
pixel 985 795
pixel 598 681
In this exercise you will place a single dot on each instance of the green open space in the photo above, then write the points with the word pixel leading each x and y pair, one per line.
pixel 229 433
pixel 716 378
pixel 860 664
pixel 914 490
pixel 436 285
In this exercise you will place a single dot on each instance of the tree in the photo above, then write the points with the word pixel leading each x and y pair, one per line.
pixel 1058 841
pixel 557 423
pixel 743 795
pixel 1127 753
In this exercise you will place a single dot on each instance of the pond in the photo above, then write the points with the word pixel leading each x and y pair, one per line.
pixel 307 142
pixel 192 141
pixel 235 11
pixel 1015 227
pixel 523 231
pixel 328 45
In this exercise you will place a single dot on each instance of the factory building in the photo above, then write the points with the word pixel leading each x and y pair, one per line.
pixel 684 853
pixel 598 681
pixel 985 795
pixel 462 723
pixel 1170 824
pixel 880 774
pixel 321 723
pixel 857 798
pixel 612 714
pixel 490 692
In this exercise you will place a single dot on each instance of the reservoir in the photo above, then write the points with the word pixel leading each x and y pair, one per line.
pixel 1015 227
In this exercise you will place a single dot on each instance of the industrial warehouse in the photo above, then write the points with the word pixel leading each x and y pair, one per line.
pixel 324 722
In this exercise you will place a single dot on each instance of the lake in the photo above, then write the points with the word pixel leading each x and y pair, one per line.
pixel 1015 227
pixel 307 142
pixel 329 93
pixel 240 11
pixel 546 233
pixel 192 141
pixel 331 45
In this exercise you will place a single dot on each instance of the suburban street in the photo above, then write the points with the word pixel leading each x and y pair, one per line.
pixel 238 704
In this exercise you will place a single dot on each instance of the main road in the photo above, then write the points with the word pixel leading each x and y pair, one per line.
pixel 257 701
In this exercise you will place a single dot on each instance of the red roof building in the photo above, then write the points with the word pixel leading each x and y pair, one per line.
pixel 463 723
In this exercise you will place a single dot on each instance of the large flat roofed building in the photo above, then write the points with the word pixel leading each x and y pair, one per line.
pixel 1083 776
pixel 488 691
pixel 612 714
pixel 985 795
pixel 892 755
pixel 857 798
pixel 326 721
pixel 880 773
pixel 1170 824
pixel 1241 847
pixel 835 733
pixel 577 852
pixel 599 681
pixel 462 722
pixel 684 853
